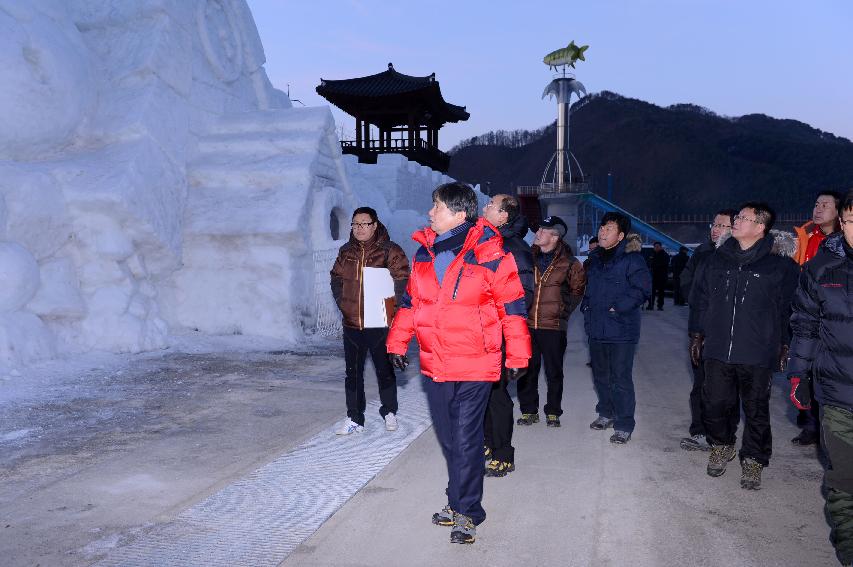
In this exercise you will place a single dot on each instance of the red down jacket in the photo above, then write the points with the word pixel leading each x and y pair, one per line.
pixel 461 323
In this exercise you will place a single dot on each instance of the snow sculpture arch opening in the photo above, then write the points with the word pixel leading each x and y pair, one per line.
pixel 337 223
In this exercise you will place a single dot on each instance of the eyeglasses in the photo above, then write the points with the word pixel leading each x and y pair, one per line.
pixel 740 218
pixel 489 205
pixel 362 224
pixel 719 226
pixel 845 222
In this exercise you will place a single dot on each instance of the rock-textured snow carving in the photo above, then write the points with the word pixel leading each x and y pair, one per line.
pixel 151 176
pixel 102 105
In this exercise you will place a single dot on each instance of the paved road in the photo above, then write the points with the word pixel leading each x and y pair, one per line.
pixel 224 459
pixel 576 499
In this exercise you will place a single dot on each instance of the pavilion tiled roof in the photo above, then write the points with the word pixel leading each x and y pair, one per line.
pixel 391 84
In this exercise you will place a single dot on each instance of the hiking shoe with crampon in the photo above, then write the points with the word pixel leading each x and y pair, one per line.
pixel 695 443
pixel 528 419
pixel 719 458
pixel 601 423
pixel 750 474
pixel 497 468
pixel 552 420
pixel 445 517
pixel 464 530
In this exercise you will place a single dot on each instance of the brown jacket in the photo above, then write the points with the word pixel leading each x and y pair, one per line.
pixel 353 257
pixel 557 291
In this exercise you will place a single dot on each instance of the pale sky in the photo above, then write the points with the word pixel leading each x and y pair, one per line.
pixel 783 58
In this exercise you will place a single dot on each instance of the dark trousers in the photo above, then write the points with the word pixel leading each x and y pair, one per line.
pixel 547 345
pixel 457 410
pixel 837 441
pixel 613 379
pixel 357 343
pixel 697 424
pixel 658 285
pixel 809 419
pixel 723 383
pixel 497 426
pixel 677 297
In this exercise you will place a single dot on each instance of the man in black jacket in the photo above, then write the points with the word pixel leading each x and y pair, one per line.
pixel 678 265
pixel 822 347
pixel 742 302
pixel 659 266
pixel 721 229
pixel 504 212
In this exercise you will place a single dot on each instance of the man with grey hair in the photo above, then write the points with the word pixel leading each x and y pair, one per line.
pixel 504 213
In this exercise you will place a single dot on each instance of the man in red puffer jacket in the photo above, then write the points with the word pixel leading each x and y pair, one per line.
pixel 463 299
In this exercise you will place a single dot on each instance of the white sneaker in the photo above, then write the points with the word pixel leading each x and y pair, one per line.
pixel 390 422
pixel 348 427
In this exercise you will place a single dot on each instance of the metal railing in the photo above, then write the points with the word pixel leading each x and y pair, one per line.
pixel 578 185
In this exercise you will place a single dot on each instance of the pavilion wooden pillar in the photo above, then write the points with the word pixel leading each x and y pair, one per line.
pixel 358 132
pixel 366 134
pixel 411 140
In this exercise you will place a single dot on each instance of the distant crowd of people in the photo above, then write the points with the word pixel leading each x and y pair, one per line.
pixel 488 309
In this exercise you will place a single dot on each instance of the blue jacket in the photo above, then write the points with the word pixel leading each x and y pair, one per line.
pixel 615 291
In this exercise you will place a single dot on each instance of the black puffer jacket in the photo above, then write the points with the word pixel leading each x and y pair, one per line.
pixel 742 303
pixel 822 323
pixel 513 234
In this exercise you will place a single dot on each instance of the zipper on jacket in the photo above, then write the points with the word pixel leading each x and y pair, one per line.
pixel 734 314
pixel 458 279
pixel 360 286
pixel 538 285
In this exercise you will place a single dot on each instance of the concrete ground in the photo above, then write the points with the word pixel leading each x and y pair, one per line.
pixel 98 461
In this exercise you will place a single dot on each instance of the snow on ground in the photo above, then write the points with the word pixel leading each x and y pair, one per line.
pixel 97 451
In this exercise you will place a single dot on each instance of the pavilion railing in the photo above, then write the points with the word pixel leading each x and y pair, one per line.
pixel 418 150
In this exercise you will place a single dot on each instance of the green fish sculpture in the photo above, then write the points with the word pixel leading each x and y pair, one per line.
pixel 568 55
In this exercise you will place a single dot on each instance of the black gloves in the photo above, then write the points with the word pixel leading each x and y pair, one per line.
pixel 515 373
pixel 696 342
pixel 398 361
pixel 800 394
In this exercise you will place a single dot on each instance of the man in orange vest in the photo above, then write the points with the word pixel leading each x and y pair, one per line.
pixel 809 238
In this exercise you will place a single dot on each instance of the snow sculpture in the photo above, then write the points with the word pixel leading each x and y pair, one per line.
pixel 153 180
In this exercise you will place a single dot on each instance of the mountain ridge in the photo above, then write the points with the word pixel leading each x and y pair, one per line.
pixel 681 159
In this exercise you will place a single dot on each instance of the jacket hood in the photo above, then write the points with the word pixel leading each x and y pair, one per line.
pixel 731 248
pixel 618 250
pixel 834 244
pixel 517 227
pixel 380 236
pixel 633 243
pixel 479 233
pixel 784 243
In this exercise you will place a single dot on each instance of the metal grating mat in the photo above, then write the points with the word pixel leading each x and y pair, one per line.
pixel 260 519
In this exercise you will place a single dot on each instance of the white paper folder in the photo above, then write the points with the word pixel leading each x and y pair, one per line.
pixel 378 286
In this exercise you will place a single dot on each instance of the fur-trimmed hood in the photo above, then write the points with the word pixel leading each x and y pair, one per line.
pixel 784 243
pixel 633 242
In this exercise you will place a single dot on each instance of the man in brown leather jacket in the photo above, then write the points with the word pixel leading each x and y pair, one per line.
pixel 368 247
pixel 559 284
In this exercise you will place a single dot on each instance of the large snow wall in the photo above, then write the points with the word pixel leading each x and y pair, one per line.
pixel 153 180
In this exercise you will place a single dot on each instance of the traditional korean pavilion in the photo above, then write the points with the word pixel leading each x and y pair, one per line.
pixel 402 108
